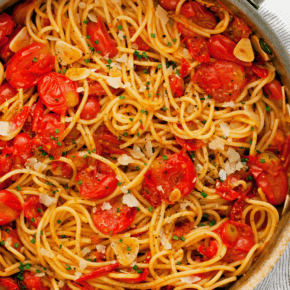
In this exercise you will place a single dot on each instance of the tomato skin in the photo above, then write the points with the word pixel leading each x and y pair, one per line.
pixel 223 80
pixel 91 108
pixel 176 85
pixel 209 252
pixel 55 90
pixel 23 72
pixel 98 181
pixel 33 282
pixel 185 31
pixel 10 207
pixel 20 11
pixel 237 30
pixel 8 283
pixel 182 229
pixel 185 68
pixel 222 48
pixel 6 27
pixel 274 90
pixel 96 89
pixel 19 120
pixel 260 71
pixel 177 171
pixel 107 221
pixel 98 32
pixel 31 212
pixel 199 14
pixel 142 45
pixel 285 154
pixel 22 147
pixel 5 167
pixel 169 5
pixel 37 115
pixel 278 142
pixel 6 92
pixel 198 48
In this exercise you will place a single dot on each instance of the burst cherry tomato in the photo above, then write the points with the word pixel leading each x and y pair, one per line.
pixel 19 120
pixel 168 173
pixel 198 48
pixel 101 39
pixel 5 167
pixel 97 181
pixel 182 229
pixel 22 148
pixel 186 31
pixel 278 142
pixel 96 89
pixel 9 233
pixel 58 92
pixel 37 115
pixel 91 108
pixel 285 153
pixel 260 71
pixel 6 92
pixel 185 68
pixel 274 90
pixel 8 283
pixel 223 80
pixel 176 85
pixel 210 251
pixel 142 45
pixel 33 282
pixel 10 207
pixel 169 5
pixel 237 30
pixel 271 176
pixel 32 210
pixel 28 64
pixel 199 14
pixel 6 26
pixel 114 220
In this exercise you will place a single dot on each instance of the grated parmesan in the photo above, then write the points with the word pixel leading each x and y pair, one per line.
pixel 123 58
pixel 40 274
pixel 4 128
pixel 198 168
pixel 121 35
pixel 160 188
pixel 190 279
pixel 124 159
pixel 124 189
pixel 162 15
pixel 46 253
pixel 115 82
pixel 225 129
pixel 106 206
pixel 85 251
pixel 223 174
pixel 101 248
pixel 130 200
pixel 68 119
pixel 229 104
pixel 216 144
pixel 148 148
pixel 137 153
pixel 80 89
pixel 165 243
pixel 78 275
pixel 46 200
pixel 60 283
pixel 82 5
pixel 8 242
pixel 83 264
pixel 186 53
pixel 33 163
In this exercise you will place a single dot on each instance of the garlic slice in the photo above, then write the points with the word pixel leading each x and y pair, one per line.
pixel 66 53
pixel 244 50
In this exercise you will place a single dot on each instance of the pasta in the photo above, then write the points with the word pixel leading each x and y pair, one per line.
pixel 144 146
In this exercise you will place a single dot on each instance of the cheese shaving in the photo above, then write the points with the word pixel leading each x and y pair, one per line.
pixel 4 128
pixel 101 248
pixel 106 206
pixel 46 253
pixel 165 243
pixel 47 200
pixel 190 279
pixel 162 15
pixel 229 104
pixel 137 153
pixel 123 58
pixel 130 200
pixel 85 251
pixel 226 129
pixel 124 159
pixel 149 148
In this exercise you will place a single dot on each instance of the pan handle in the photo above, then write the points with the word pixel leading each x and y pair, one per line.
pixel 256 3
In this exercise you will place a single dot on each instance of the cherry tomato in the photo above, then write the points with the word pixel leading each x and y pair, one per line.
pixel 91 108
pixel 222 48
pixel 9 233
pixel 176 85
pixel 97 181
pixel 6 92
pixel 223 80
pixel 22 147
pixel 20 11
pixel 142 45
pixel 278 142
pixel 236 213
pixel 28 64
pixel 185 68
pixel 237 29
pixel 186 31
pixel 32 210
pixel 100 257
pixel 96 89
pixel 37 115
pixel 47 138
pixel 58 92
pixel 182 229
pixel 260 71
pixel 285 154
pixel 113 220
pixel 199 14
pixel 101 39
pixel 19 120
pixel 8 283
pixel 210 251
pixel 274 90
pixel 33 282
pixel 198 48
pixel 169 5
pixel 271 176
pixel 5 167
pixel 166 174
pixel 6 27
pixel 10 207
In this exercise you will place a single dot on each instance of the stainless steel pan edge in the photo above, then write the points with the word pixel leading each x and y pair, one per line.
pixel 281 238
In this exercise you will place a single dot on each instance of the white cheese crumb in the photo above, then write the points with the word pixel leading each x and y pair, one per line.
pixel 229 104
pixel 40 274
pixel 33 162
pixel 124 189
pixel 60 283
pixel 222 174
pixel 226 129
pixel 165 243
pixel 94 210
pixel 194 180
pixel 135 46
pixel 101 249
pixel 137 153
pixel 190 279
pixel 190 108
pixel 115 82
pixel 106 206
pixel 82 5
pixel 92 17
pixel 162 15
pixel 80 89
pixel 130 63
pixel 130 200
pixel 142 89
pixel 125 159
pixel 123 58
pixel 8 242
pixel 46 200
pixel 198 168
pixel 44 252
pixel 78 275
pixel 148 147
pixel 121 35
pixel 233 155
pixel 127 85
pixel 216 144
pixel 52 38
pixel 85 251
pixel 184 205
pixel 83 264
pixel 160 188
pixel 170 70
pixel 68 119
pixel 4 128
pixel 186 53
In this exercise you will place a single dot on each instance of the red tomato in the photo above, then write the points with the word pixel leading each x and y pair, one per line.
pixel 58 92
pixel 97 181
pixel 6 92
pixel 285 154
pixel 237 30
pixel 10 207
pixel 169 4
pixel 271 176
pixel 47 138
pixel 28 64
pixel 37 115
pixel 9 233
pixel 100 257
pixel 185 31
pixel 114 221
pixel 236 213
pixel 19 120
pixel 199 14
pixel 101 39
pixel 274 90
pixel 91 108
pixel 260 71
pixel 182 229
pixel 6 26
pixel 166 174
pixel 5 167
pixel 96 89
pixel 20 11
pixel 185 68
pixel 222 48
pixel 278 142
pixel 33 282
pixel 238 237
pixel 8 283
pixel 142 45
pixel 198 48
pixel 176 85
pixel 32 210
pixel 223 80
pixel 209 252
pixel 22 148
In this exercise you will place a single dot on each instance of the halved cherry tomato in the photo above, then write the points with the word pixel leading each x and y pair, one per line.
pixel 142 45
pixel 28 64
pixel 22 148
pixel 222 48
pixel 9 233
pixel 8 283
pixel 10 207
pixel 20 11
pixel 236 213
pixel 238 237
pixel 100 257
pixel 285 154
pixel 116 219
pixel 5 167
pixel 198 48
pixel 274 90
pixel 176 85
pixel 96 89
pixel 166 174
pixel 186 31
pixel 223 80
pixel 169 4
pixel 185 68
pixel 260 71
pixel 58 92
pixel 33 282
pixel 37 115
pixel 91 108
pixel 270 175
pixel 199 14
pixel 6 27
pixel 6 92
pixel 19 120
pixel 182 229
pixel 32 210
pixel 210 251
pixel 278 142
pixel 47 138
pixel 97 181
pixel 237 30
pixel 101 39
